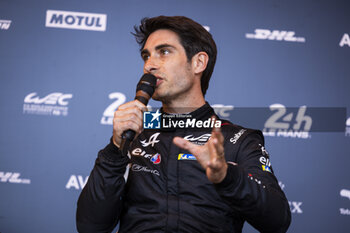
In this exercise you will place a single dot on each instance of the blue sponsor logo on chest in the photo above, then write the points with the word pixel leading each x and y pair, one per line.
pixel 186 157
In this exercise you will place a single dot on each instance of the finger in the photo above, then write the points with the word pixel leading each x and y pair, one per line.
pixel 129 114
pixel 212 150
pixel 216 162
pixel 214 165
pixel 134 103
pixel 130 118
pixel 217 130
pixel 127 122
pixel 218 140
pixel 184 144
pixel 126 125
pixel 219 135
pixel 219 148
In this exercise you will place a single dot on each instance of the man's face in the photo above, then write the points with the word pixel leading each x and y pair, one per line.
pixel 165 57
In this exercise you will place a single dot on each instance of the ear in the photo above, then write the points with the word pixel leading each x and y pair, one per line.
pixel 199 62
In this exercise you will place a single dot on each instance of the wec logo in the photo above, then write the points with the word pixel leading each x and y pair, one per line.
pixel 5 24
pixel 223 110
pixel 201 140
pixel 265 34
pixel 76 20
pixel 52 104
pixel 51 99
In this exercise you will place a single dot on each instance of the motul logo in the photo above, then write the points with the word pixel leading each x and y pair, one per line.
pixel 265 34
pixel 76 20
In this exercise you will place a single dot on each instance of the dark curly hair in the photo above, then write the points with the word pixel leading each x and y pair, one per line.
pixel 193 37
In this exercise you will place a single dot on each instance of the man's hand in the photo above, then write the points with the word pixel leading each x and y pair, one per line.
pixel 128 116
pixel 211 155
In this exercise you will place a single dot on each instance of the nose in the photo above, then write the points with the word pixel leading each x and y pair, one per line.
pixel 151 65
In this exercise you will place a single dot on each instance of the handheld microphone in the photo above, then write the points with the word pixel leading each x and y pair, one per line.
pixel 144 91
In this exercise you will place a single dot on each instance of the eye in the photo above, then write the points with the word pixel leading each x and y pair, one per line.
pixel 145 57
pixel 164 51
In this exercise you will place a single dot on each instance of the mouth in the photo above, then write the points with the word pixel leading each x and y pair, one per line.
pixel 159 81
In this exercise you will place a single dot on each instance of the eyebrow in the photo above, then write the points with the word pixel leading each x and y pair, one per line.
pixel 145 51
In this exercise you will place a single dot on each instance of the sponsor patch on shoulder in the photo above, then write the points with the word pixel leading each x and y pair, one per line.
pixel 266 168
pixel 186 157
pixel 156 158
pixel 237 136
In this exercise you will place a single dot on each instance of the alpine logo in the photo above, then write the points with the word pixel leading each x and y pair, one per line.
pixel 266 34
pixel 151 141
pixel 280 124
pixel 52 104
pixel 345 40
pixel 13 177
pixel 200 140
pixel 108 114
pixel 76 20
pixel 5 24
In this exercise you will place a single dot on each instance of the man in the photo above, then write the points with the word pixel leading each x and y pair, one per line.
pixel 216 187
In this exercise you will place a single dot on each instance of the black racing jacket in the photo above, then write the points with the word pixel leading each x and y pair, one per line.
pixel 162 188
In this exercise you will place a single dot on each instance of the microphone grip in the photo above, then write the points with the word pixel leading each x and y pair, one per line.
pixel 127 138
pixel 129 135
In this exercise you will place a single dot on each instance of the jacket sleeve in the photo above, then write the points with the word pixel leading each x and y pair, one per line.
pixel 251 189
pixel 100 202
